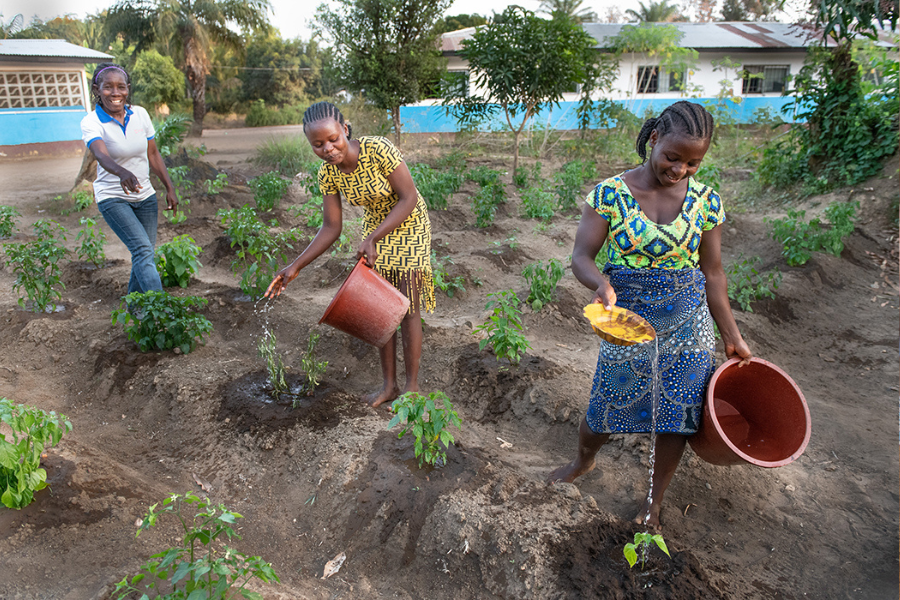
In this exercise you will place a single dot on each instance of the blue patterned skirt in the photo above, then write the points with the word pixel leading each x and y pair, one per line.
pixel 674 302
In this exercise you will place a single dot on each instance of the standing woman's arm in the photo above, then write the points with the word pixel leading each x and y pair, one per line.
pixel 128 179
pixel 402 183
pixel 717 295
pixel 158 166
pixel 592 233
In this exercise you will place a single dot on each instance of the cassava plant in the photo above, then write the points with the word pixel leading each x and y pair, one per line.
pixel 92 240
pixel 202 567
pixel 160 321
pixel 642 543
pixel 32 430
pixel 503 328
pixel 36 265
pixel 177 260
pixel 542 281
pixel 428 418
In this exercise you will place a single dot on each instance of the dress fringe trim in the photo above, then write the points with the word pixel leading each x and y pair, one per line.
pixel 419 282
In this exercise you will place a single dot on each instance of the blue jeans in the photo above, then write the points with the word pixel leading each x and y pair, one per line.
pixel 135 224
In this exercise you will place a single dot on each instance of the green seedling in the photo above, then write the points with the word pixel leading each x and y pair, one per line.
pixel 179 177
pixel 428 418
pixel 268 190
pixel 746 284
pixel 311 211
pixel 83 200
pixel 570 181
pixel 214 187
pixel 313 369
pixel 274 364
pixel 32 430
pixel 537 203
pixel 36 265
pixel 92 240
pixel 160 321
pixel 436 187
pixel 442 279
pixel 177 260
pixel 799 238
pixel 503 328
pixel 202 567
pixel 642 542
pixel 520 177
pixel 542 280
pixel 8 220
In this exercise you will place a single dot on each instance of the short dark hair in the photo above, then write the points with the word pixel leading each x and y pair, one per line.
pixel 685 117
pixel 95 80
pixel 324 110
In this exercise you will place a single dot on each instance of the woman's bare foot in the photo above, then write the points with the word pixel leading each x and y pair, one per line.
pixel 570 472
pixel 383 395
pixel 651 520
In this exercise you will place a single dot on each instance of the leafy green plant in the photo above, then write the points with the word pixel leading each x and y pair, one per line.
pixel 490 195
pixel 36 265
pixel 214 187
pixel 92 240
pixel 170 133
pixel 8 216
pixel 288 155
pixel 709 174
pixel 428 418
pixel 268 190
pixel 32 430
pixel 799 238
pixel 83 200
pixel 455 159
pixel 313 369
pixel 570 181
pixel 746 284
pixel 265 349
pixel 542 280
pixel 177 260
pixel 179 177
pixel 520 177
pixel 435 186
pixel 160 321
pixel 642 542
pixel 311 211
pixel 442 279
pixel 537 203
pixel 200 568
pixel 503 328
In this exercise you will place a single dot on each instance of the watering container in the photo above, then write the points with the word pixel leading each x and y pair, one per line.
pixel 367 306
pixel 753 414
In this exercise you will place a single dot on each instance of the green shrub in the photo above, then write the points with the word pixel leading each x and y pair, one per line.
pixel 287 155
pixel 442 279
pixel 183 185
pixel 435 186
pixel 201 567
pixel 542 281
pixel 503 328
pixel 570 181
pixel 7 221
pixel 746 284
pixel 177 260
pixel 454 160
pixel 170 133
pixel 92 240
pixel 36 265
pixel 268 190
pixel 428 421
pixel 260 115
pixel 311 211
pixel 213 187
pixel 799 238
pixel 537 203
pixel 520 177
pixel 160 321
pixel 490 195
pixel 83 200
pixel 33 430
pixel 709 174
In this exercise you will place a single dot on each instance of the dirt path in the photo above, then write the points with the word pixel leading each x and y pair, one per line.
pixel 327 477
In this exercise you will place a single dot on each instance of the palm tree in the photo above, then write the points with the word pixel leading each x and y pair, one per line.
pixel 571 8
pixel 11 27
pixel 188 28
pixel 655 12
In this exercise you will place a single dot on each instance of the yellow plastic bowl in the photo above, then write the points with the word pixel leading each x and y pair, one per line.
pixel 619 326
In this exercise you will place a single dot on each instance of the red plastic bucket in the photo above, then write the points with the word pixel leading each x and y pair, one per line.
pixel 753 414
pixel 367 306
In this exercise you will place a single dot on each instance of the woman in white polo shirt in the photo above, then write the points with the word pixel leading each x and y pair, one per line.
pixel 121 137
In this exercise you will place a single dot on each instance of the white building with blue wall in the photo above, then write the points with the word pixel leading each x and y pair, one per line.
pixel 44 94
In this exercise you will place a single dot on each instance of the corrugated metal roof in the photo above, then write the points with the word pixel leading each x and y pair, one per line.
pixel 50 49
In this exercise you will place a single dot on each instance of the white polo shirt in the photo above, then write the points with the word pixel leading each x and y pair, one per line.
pixel 126 144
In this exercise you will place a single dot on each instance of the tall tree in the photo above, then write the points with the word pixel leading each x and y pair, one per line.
pixel 386 48
pixel 655 12
pixel 570 8
pixel 187 28
pixel 751 10
pixel 457 22
pixel 524 63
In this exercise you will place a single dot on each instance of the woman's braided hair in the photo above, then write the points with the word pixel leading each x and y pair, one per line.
pixel 684 117
pixel 325 110
pixel 98 77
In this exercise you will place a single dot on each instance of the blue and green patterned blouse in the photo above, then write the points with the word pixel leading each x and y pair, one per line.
pixel 636 241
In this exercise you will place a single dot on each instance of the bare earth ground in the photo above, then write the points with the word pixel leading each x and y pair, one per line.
pixel 327 477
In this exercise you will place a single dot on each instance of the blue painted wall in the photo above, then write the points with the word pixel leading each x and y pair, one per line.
pixel 39 125
pixel 432 119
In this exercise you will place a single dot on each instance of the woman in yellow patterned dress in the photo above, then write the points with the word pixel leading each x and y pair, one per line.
pixel 370 172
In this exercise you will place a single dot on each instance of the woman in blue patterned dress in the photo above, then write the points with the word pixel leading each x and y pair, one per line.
pixel 664 263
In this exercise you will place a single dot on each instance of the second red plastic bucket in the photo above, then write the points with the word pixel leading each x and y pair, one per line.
pixel 753 414
pixel 367 306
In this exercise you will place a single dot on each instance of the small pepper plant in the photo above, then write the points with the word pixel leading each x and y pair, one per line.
pixel 428 418
pixel 642 542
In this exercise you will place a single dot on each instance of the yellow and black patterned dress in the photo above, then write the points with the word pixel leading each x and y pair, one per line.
pixel 405 252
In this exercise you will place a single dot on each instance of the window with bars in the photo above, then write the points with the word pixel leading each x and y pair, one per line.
pixel 653 80
pixel 763 79
pixel 40 89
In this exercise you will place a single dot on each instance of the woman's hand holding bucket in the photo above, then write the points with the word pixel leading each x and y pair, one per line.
pixel 369 250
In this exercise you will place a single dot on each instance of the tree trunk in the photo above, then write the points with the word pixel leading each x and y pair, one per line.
pixel 516 133
pixel 88 170
pixel 195 72
pixel 395 117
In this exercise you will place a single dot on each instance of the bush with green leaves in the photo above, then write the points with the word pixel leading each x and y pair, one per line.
pixel 32 430
pixel 490 195
pixel 428 418
pixel 311 211
pixel 36 265
pixel 537 203
pixel 170 133
pixel 177 260
pixel 258 250
pixel 800 238
pixel 503 328
pixel 520 177
pixel 83 200
pixel 642 542
pixel 161 321
pixel 442 279
pixel 179 177
pixel 268 190
pixel 709 174
pixel 214 187
pixel 201 567
pixel 8 216
pixel 92 240
pixel 455 159
pixel 542 280
pixel 435 186
pixel 570 181
pixel 746 284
